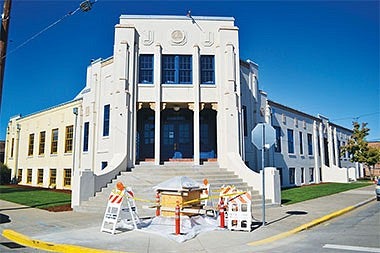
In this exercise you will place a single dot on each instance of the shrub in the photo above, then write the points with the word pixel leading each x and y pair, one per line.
pixel 5 174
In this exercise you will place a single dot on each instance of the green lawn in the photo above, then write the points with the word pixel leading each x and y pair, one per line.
pixel 299 194
pixel 34 197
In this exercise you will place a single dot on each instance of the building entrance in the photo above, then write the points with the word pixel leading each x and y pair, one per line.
pixel 176 134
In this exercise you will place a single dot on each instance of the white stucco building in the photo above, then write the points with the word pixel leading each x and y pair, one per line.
pixel 175 89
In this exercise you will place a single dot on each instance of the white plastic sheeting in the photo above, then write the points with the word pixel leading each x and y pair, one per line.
pixel 165 226
pixel 177 184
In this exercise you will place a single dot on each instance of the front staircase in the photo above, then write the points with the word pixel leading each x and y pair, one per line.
pixel 146 175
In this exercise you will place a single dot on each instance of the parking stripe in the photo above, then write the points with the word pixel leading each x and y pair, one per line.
pixel 352 248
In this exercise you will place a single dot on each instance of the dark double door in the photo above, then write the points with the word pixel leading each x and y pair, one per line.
pixel 177 134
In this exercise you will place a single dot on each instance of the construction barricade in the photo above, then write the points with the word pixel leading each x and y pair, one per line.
pixel 115 206
pixel 239 212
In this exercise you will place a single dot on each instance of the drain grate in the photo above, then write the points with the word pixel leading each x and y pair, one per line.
pixel 12 245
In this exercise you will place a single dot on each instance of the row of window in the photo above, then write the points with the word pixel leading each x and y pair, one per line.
pixel 69 134
pixel 292 175
pixel 176 69
pixel 106 127
pixel 291 145
pixel 40 176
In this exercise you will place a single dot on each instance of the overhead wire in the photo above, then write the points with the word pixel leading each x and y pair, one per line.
pixel 84 6
pixel 356 118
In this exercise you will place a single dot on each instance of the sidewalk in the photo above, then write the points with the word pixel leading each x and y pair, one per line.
pixel 71 228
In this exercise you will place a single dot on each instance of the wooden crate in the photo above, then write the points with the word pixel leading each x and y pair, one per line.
pixel 170 198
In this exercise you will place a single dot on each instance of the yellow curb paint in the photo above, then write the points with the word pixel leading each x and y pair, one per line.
pixel 302 227
pixel 47 246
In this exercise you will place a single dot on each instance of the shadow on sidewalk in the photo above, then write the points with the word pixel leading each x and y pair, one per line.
pixel 288 214
pixel 4 218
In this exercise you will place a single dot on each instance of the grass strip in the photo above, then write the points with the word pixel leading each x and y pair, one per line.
pixel 303 193
pixel 33 196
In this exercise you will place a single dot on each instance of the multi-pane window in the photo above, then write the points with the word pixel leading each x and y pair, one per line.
pixel 290 141
pixel 277 146
pixel 40 176
pixel 19 175
pixel 69 139
pixel 29 176
pixel 53 177
pixel 176 69
pixel 207 69
pixel 302 175
pixel 106 120
pixel 184 133
pixel 66 177
pixel 168 134
pixel 86 129
pixel 301 143
pixel 41 149
pixel 292 175
pixel 148 133
pixel 311 175
pixel 31 144
pixel 310 144
pixel 146 68
pixel 54 141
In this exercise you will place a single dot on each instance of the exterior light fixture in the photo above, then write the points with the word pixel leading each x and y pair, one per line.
pixel 75 110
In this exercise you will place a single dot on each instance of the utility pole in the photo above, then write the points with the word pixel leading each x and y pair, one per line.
pixel 3 42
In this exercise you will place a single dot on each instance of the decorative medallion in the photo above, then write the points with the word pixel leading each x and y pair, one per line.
pixel 178 38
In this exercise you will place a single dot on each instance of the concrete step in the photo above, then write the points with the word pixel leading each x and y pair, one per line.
pixel 145 176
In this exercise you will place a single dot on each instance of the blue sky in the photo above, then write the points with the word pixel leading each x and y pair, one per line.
pixel 317 57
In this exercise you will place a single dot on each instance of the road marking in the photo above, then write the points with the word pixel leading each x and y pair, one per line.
pixel 48 246
pixel 353 248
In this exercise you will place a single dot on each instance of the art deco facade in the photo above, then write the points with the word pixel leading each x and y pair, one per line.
pixel 174 89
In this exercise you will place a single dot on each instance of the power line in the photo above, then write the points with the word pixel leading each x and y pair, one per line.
pixel 356 118
pixel 84 7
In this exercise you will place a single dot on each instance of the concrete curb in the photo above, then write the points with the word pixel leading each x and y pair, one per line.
pixel 48 246
pixel 310 224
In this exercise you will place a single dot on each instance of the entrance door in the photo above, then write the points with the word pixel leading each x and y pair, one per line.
pixel 177 134
pixel 145 134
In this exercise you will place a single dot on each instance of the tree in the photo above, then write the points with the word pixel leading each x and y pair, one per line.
pixel 358 148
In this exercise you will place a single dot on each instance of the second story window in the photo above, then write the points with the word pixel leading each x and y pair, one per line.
pixel 69 139
pixel 277 146
pixel 309 144
pixel 301 143
pixel 31 144
pixel 86 129
pixel 146 68
pixel 41 149
pixel 176 69
pixel 290 141
pixel 54 141
pixel 106 120
pixel 207 69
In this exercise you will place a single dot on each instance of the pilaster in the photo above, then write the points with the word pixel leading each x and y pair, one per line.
pixel 157 107
pixel 196 118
